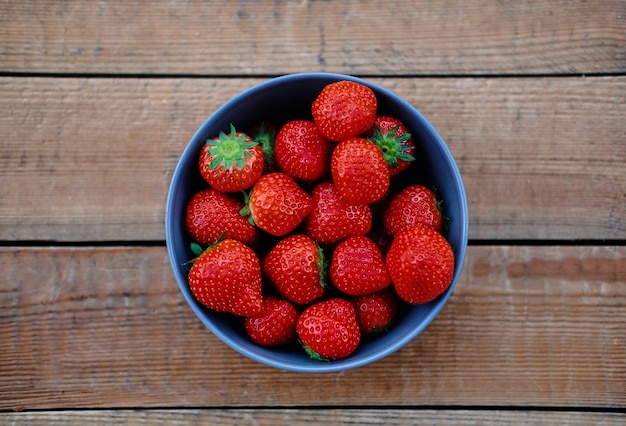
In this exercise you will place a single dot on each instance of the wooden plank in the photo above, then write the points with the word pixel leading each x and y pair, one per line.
pixel 356 37
pixel 541 158
pixel 304 417
pixel 107 327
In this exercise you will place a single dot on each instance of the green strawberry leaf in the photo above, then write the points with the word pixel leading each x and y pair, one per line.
pixel 245 210
pixel 196 249
pixel 321 265
pixel 267 140
pixel 392 147
pixel 444 219
pixel 314 355
pixel 229 150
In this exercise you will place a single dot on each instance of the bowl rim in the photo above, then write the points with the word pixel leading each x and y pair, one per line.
pixel 261 356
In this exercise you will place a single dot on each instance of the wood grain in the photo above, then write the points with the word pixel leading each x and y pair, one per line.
pixel 97 102
pixel 107 327
pixel 304 417
pixel 87 159
pixel 275 37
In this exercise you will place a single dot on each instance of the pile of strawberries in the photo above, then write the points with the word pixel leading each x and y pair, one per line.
pixel 306 232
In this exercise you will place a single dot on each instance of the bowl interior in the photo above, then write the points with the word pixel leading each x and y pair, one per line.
pixel 280 100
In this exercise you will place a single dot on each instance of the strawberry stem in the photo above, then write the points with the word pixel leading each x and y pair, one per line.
pixel 229 150
pixel 245 210
pixel 321 265
pixel 444 219
pixel 267 139
pixel 314 355
pixel 393 147
pixel 198 251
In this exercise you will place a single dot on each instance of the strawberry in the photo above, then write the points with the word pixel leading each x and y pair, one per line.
pixel 421 264
pixel 210 213
pixel 226 277
pixel 231 163
pixel 375 312
pixel 295 266
pixel 329 329
pixel 275 325
pixel 344 109
pixel 359 171
pixel 332 219
pixel 277 204
pixel 302 151
pixel 395 142
pixel 414 205
pixel 357 267
pixel 264 133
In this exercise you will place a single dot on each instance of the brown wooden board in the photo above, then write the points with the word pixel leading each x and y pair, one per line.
pixel 303 417
pixel 108 327
pixel 276 37
pixel 86 159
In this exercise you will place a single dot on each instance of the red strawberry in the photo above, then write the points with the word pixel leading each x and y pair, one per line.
pixel 231 163
pixel 302 151
pixel 277 204
pixel 414 205
pixel 329 329
pixel 375 312
pixel 295 266
pixel 395 142
pixel 421 264
pixel 357 267
pixel 226 277
pixel 210 213
pixel 359 171
pixel 275 325
pixel 264 133
pixel 344 109
pixel 332 219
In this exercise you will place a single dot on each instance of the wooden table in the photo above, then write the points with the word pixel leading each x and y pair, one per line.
pixel 98 100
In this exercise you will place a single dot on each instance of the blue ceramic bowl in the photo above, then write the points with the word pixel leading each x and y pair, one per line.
pixel 286 98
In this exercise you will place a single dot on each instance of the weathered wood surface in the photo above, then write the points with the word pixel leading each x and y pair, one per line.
pixel 107 327
pixel 304 417
pixel 275 37
pixel 98 100
pixel 86 159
